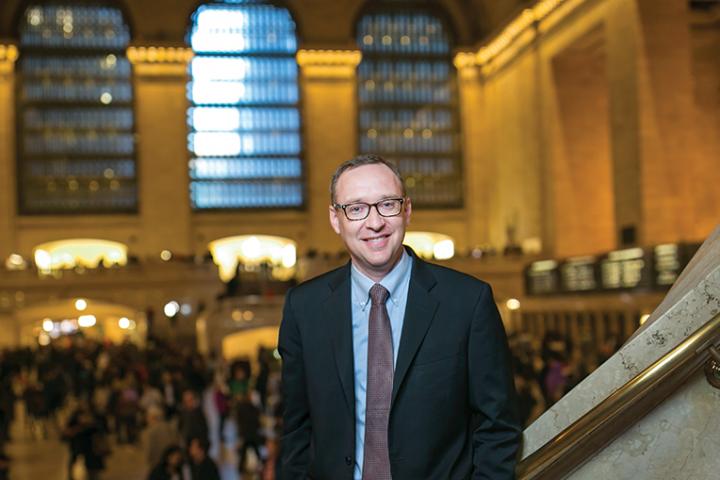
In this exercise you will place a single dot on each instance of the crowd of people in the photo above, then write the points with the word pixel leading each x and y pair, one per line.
pixel 547 368
pixel 162 399
pixel 95 396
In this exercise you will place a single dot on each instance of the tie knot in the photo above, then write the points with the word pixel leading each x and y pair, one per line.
pixel 378 294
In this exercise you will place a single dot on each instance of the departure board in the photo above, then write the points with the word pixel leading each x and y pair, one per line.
pixel 578 274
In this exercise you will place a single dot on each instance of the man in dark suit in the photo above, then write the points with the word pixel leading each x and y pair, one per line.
pixel 392 367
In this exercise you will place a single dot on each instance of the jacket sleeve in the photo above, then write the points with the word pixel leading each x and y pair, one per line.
pixel 295 445
pixel 492 394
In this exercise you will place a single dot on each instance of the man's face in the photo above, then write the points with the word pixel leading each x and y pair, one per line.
pixel 375 243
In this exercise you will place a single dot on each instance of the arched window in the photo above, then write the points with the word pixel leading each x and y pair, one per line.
pixel 76 147
pixel 244 140
pixel 407 100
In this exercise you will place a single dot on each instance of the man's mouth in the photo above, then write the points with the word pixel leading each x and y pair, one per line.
pixel 377 242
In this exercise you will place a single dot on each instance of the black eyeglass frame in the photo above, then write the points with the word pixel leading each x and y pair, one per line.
pixel 370 205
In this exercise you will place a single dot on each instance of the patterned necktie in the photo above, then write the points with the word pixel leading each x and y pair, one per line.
pixel 376 457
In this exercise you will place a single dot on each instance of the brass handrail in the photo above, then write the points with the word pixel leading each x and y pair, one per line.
pixel 588 435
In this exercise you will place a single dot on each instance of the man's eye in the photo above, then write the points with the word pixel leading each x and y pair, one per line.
pixel 355 208
pixel 388 204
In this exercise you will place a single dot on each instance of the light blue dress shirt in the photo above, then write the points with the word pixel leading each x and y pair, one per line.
pixel 397 282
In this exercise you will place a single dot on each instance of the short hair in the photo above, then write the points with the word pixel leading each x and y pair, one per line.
pixel 359 161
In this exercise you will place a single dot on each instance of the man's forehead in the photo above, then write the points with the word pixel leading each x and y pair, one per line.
pixel 367 179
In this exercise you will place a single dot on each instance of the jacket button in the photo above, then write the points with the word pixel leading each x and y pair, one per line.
pixel 348 461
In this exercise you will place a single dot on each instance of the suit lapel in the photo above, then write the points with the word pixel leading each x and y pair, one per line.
pixel 338 310
pixel 419 313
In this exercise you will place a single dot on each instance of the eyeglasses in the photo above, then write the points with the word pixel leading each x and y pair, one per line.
pixel 388 207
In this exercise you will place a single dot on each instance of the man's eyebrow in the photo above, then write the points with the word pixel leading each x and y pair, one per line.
pixel 384 197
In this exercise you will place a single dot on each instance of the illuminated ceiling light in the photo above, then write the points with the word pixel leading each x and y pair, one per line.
pixel 80 304
pixel 124 323
pixel 44 339
pixel 106 98
pixel 15 261
pixel 87 321
pixel 78 252
pixel 48 325
pixel 166 255
pixel 430 245
pixel 279 252
pixel 248 315
pixel 171 308
pixel 513 304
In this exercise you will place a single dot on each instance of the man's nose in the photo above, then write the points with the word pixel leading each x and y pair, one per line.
pixel 374 220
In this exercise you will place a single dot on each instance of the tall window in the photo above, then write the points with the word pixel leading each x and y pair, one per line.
pixel 244 120
pixel 76 148
pixel 408 101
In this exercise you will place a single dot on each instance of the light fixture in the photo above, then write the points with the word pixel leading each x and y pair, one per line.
pixel 48 325
pixel 124 323
pixel 166 255
pixel 78 252
pixel 86 321
pixel 171 308
pixel 278 252
pixel 80 304
pixel 513 304
pixel 430 245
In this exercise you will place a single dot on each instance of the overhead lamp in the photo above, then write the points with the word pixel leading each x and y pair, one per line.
pixel 430 245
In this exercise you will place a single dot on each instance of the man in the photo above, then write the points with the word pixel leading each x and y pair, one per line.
pixel 202 467
pixel 392 367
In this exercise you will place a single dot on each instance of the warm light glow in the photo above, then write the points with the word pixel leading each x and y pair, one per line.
pixel 124 323
pixel 87 321
pixel 15 261
pixel 171 308
pixel 279 252
pixel 166 255
pixel 430 245
pixel 84 252
pixel 80 304
pixel 349 58
pixel 48 325
pixel 521 31
pixel 159 54
pixel 8 53
pixel 513 304
pixel 644 318
pixel 44 339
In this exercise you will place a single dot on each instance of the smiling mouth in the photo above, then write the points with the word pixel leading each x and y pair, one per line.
pixel 376 241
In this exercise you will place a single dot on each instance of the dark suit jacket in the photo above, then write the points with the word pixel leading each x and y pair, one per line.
pixel 453 404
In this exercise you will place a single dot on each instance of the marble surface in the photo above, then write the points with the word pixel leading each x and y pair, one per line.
pixel 680 439
pixel 695 300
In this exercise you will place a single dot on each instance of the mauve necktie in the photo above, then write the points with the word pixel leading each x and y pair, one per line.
pixel 376 457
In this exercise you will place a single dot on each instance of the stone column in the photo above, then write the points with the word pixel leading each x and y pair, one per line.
pixel 8 183
pixel 330 123
pixel 160 111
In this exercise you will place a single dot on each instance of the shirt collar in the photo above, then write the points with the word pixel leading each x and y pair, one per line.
pixel 361 284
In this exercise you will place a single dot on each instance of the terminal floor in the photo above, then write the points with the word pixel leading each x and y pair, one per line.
pixel 33 457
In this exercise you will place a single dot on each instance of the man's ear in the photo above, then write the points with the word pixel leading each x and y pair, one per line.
pixel 334 220
pixel 408 210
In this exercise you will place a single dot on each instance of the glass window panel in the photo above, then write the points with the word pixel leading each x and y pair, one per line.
pixel 244 121
pixel 76 129
pixel 408 101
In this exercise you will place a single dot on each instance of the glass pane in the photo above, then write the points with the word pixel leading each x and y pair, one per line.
pixel 244 121
pixel 77 144
pixel 408 102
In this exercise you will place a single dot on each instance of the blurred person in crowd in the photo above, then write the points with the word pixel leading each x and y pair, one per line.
pixel 4 465
pixel 202 467
pixel 86 434
pixel 247 415
pixel 126 411
pixel 158 435
pixel 170 466
pixel 191 419
pixel 170 393
pixel 221 399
